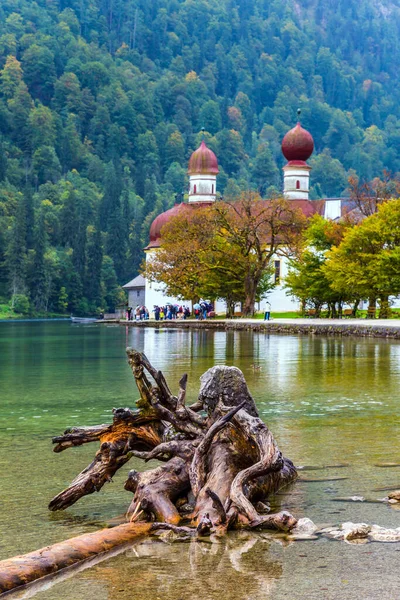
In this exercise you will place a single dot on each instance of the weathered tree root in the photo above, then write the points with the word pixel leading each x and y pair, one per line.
pixel 218 457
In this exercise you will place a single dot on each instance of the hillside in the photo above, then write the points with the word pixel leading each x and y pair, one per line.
pixel 102 101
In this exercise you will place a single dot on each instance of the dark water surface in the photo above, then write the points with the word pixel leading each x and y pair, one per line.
pixel 327 401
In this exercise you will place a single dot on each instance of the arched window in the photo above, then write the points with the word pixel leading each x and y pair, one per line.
pixel 212 188
pixel 194 188
pixel 297 185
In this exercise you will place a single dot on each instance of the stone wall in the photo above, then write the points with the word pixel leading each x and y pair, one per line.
pixel 341 329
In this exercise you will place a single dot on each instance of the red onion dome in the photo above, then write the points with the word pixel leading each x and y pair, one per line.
pixel 161 220
pixel 298 144
pixel 203 161
pixel 164 218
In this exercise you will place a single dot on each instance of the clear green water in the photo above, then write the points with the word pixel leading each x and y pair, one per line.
pixel 326 400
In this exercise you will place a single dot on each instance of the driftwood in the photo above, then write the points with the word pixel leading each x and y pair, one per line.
pixel 218 458
pixel 22 570
pixel 218 462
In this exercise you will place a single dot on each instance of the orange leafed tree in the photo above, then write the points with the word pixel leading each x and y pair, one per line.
pixel 225 250
pixel 369 195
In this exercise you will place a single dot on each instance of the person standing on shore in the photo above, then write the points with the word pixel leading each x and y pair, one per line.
pixel 267 314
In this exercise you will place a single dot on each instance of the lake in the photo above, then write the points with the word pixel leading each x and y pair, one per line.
pixel 327 401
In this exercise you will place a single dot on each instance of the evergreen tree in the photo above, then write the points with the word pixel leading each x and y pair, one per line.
pixel 117 241
pixel 39 291
pixel 29 216
pixel 69 218
pixel 79 249
pixel 150 194
pixel 264 171
pixel 109 283
pixel 112 191
pixel 93 267
pixel 3 162
pixel 16 259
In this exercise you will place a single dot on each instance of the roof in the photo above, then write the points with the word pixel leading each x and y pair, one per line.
pixel 137 282
pixel 203 161
pixel 298 144
pixel 163 218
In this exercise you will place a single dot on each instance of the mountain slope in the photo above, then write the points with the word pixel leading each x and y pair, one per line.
pixel 101 102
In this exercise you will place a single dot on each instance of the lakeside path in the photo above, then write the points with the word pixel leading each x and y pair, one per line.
pixel 387 328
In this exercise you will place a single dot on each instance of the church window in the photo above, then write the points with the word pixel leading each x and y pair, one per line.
pixel 212 188
pixel 297 185
pixel 194 188
pixel 277 271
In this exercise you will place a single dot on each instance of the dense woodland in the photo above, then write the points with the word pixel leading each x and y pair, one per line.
pixel 102 101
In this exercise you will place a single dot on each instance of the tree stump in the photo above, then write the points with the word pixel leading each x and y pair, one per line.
pixel 218 458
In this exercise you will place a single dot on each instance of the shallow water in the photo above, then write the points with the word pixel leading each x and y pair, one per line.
pixel 327 401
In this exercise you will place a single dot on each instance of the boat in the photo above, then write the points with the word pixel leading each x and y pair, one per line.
pixel 83 320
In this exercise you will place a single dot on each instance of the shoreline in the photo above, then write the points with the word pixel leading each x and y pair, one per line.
pixel 385 328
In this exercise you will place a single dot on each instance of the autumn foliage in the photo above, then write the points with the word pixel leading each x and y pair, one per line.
pixel 225 250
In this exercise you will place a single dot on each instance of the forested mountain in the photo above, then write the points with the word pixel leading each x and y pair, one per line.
pixel 102 101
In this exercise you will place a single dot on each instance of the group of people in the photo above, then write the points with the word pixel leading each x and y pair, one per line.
pixel 201 310
pixel 140 313
pixel 171 311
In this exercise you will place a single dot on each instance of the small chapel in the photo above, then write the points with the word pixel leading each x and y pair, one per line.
pixel 297 148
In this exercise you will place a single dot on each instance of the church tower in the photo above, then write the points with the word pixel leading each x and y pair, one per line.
pixel 203 171
pixel 297 147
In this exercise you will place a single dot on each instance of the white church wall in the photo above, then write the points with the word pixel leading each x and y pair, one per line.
pixel 155 291
pixel 278 297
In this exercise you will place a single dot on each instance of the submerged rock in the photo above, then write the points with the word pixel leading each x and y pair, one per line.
pixel 304 527
pixel 394 496
pixel 355 531
pixel 349 499
pixel 381 534
pixel 347 531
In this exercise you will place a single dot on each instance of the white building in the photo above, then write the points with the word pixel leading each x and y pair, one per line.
pixel 297 147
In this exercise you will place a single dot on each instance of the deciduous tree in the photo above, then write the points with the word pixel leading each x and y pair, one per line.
pixel 367 261
pixel 231 247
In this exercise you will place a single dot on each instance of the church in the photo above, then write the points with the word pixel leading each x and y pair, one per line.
pixel 297 147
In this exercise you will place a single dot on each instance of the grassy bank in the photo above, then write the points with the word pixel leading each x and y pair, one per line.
pixel 6 312
pixel 281 315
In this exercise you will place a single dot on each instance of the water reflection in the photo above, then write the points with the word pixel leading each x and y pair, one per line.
pixel 327 400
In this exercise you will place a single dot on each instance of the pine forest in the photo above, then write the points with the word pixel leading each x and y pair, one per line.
pixel 102 103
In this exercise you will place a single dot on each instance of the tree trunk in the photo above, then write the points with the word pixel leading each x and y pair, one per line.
pixel 230 308
pixel 251 284
pixel 355 307
pixel 371 307
pixel 384 312
pixel 27 568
